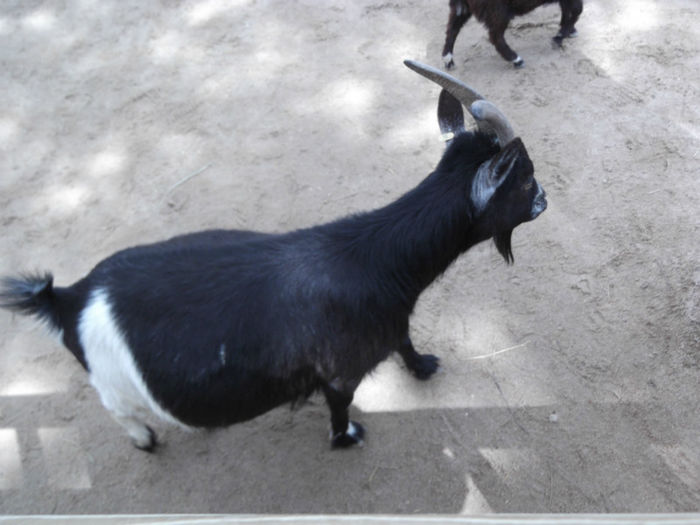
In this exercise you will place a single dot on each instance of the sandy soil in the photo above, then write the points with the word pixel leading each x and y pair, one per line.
pixel 570 381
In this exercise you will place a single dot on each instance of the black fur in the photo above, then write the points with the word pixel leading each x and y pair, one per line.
pixel 34 294
pixel 30 294
pixel 496 15
pixel 225 325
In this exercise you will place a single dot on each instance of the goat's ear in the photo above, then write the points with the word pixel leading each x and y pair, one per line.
pixel 450 116
pixel 493 172
pixel 504 161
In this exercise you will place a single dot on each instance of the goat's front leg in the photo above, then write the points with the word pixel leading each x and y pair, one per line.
pixel 459 14
pixel 344 433
pixel 423 366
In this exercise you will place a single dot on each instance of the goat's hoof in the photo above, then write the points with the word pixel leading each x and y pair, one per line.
pixel 558 41
pixel 448 61
pixel 573 34
pixel 149 443
pixel 426 366
pixel 354 435
pixel 518 63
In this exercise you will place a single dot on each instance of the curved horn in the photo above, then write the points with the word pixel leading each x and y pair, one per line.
pixel 485 111
pixel 454 87
pixel 488 117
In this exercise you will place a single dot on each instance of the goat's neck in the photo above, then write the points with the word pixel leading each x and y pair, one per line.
pixel 412 241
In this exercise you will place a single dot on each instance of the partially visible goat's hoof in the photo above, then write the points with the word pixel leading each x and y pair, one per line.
pixel 148 442
pixel 449 62
pixel 518 62
pixel 354 435
pixel 424 367
pixel 558 40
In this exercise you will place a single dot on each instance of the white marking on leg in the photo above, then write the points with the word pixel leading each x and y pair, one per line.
pixel 113 370
pixel 352 430
pixel 518 61
pixel 138 431
pixel 447 58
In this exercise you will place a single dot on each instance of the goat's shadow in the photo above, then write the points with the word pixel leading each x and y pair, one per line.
pixel 422 461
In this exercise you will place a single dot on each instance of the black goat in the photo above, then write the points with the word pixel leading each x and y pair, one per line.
pixel 496 14
pixel 212 328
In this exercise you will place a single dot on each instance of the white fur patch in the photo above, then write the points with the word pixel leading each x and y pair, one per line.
pixel 352 430
pixel 113 371
pixel 447 58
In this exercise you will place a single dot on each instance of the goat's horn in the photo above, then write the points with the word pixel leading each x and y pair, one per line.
pixel 456 88
pixel 485 111
pixel 487 116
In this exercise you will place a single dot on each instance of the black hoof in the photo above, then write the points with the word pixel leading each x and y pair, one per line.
pixel 450 65
pixel 150 445
pixel 426 366
pixel 353 436
pixel 558 41
pixel 518 63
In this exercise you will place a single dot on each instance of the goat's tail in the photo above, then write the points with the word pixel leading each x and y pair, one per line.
pixel 31 295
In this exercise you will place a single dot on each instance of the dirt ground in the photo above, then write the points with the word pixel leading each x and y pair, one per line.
pixel 570 382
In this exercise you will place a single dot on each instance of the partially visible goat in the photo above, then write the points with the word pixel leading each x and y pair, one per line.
pixel 496 14
pixel 212 328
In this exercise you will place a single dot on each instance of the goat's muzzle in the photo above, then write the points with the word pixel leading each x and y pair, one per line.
pixel 539 203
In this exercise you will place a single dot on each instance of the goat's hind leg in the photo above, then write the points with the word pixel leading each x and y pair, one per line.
pixel 423 366
pixel 142 436
pixel 570 11
pixel 127 415
pixel 344 433
pixel 497 38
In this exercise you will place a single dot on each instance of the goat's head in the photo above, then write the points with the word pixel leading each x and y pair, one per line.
pixel 504 192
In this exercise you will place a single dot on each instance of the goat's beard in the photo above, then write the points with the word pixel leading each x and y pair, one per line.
pixel 502 241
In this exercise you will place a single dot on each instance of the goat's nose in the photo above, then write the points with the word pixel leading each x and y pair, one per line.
pixel 538 208
pixel 539 203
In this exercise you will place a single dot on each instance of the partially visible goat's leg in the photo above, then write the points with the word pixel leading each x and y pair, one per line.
pixel 570 11
pixel 344 433
pixel 142 436
pixel 127 415
pixel 459 14
pixel 423 366
pixel 496 35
